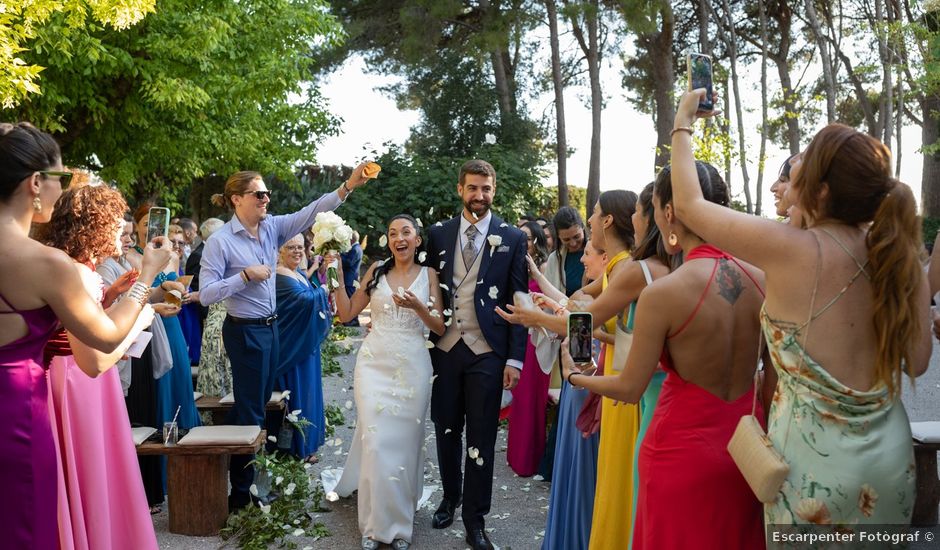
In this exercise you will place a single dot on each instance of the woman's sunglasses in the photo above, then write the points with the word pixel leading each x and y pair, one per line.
pixel 64 177
pixel 260 195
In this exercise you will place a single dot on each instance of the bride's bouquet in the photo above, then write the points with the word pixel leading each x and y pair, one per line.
pixel 331 235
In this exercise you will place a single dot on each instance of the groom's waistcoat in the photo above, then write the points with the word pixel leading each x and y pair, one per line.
pixel 464 325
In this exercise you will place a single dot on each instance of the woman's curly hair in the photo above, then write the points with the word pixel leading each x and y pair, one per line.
pixel 84 222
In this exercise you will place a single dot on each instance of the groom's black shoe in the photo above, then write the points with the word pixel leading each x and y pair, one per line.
pixel 477 539
pixel 444 516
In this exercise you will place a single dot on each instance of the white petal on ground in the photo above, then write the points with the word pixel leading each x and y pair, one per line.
pixel 349 405
pixel 298 532
pixel 332 496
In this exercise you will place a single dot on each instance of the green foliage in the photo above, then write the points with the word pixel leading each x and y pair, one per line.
pixel 931 227
pixel 196 89
pixel 425 187
pixel 330 350
pixel 261 526
pixel 334 417
pixel 21 21
pixel 577 199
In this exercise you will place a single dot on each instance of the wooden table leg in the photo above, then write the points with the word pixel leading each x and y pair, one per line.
pixel 197 493
pixel 928 487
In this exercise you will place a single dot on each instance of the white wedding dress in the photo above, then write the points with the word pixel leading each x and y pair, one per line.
pixel 392 385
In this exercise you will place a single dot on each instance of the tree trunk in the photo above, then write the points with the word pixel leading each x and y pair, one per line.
pixel 664 81
pixel 561 147
pixel 594 74
pixel 930 190
pixel 823 45
pixel 500 73
pixel 726 130
pixel 592 54
pixel 704 41
pixel 731 42
pixel 781 13
pixel 762 14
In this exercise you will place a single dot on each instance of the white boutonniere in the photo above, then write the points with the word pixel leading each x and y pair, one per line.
pixel 495 241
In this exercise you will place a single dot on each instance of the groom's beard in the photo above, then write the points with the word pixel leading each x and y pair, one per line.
pixel 479 208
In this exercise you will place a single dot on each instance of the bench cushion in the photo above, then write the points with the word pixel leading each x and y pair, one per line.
pixel 926 432
pixel 221 435
pixel 230 398
pixel 142 433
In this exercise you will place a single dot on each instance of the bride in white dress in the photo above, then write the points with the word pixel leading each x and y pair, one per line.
pixel 392 385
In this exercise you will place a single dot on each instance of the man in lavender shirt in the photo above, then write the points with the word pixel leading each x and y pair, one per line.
pixel 237 266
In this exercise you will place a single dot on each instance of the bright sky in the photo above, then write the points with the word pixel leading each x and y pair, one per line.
pixel 627 141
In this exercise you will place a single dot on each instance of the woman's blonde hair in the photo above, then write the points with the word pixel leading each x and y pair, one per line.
pixel 856 170
pixel 236 184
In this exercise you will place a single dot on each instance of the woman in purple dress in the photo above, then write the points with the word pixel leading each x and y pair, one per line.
pixel 40 287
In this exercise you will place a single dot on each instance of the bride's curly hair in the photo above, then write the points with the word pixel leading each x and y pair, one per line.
pixel 85 222
pixel 383 268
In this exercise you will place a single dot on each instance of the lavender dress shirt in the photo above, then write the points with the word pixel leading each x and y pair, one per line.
pixel 231 249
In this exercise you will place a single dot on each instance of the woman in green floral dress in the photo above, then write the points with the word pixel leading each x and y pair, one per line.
pixel 215 371
pixel 846 315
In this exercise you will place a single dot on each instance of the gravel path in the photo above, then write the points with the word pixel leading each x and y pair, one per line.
pixel 520 503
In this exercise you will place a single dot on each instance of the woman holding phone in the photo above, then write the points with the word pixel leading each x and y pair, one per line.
pixel 40 288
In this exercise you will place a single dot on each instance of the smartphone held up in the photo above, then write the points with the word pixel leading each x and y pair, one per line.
pixel 580 336
pixel 158 223
pixel 699 70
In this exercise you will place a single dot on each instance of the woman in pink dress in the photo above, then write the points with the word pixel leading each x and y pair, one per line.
pixel 39 288
pixel 101 500
pixel 530 396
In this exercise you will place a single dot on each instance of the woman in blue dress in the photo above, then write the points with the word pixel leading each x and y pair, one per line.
pixel 174 388
pixel 304 320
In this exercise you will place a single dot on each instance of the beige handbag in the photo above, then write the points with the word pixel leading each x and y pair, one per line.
pixel 762 466
pixel 623 338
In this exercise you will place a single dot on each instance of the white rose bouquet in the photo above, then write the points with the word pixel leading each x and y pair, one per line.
pixel 331 235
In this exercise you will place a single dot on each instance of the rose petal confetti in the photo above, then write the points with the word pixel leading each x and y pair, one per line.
pixel 480 461
pixel 322 315
pixel 448 322
pixel 334 283
pixel 429 344
pixel 349 405
pixel 438 224
pixel 442 252
pixel 420 223
pixel 422 256
pixel 447 431
pixel 442 265
pixel 253 489
pixel 473 452
pixel 431 211
pixel 494 292
pixel 504 224
pixel 448 312
pixel 272 439
pixel 356 284
pixel 383 241
pixel 298 532
pixel 332 496
pixel 445 287
pixel 474 214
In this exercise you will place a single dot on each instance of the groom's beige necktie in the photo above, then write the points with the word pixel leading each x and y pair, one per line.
pixel 470 249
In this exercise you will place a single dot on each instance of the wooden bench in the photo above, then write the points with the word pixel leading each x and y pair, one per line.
pixel 197 483
pixel 219 411
pixel 927 501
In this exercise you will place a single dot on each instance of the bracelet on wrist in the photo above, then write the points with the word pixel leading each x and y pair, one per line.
pixel 346 188
pixel 681 129
pixel 139 293
pixel 569 378
pixel 245 276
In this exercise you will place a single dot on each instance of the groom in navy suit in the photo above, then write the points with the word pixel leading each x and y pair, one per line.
pixel 480 260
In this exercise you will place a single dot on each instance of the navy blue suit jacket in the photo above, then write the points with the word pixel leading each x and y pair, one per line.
pixel 504 268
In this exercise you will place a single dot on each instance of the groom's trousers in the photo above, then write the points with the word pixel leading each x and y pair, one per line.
pixel 468 390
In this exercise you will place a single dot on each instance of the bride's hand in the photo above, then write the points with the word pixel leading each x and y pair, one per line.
pixel 544 302
pixel 519 315
pixel 408 301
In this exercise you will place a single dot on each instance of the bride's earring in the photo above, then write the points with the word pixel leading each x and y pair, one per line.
pixel 673 239
pixel 37 204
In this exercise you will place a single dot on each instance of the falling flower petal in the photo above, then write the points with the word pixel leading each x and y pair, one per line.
pixel 473 452
pixel 494 292
pixel 442 265
pixel 429 344
pixel 482 303
pixel 445 287
pixel 253 489
pixel 386 306
pixel 434 313
pixel 272 439
pixel 480 461
pixel 278 480
pixel 383 241
pixel 393 478
pixel 296 412
pixel 334 283
pixel 420 223
pixel 422 256
pixel 431 211
pixel 322 315
pixel 447 431
pixel 438 224
pixel 442 252
pixel 418 420
pixel 447 323
pixel 356 284
pixel 504 224
pixel 475 215
pixel 448 312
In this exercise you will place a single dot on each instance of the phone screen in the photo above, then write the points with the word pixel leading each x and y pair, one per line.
pixel 699 67
pixel 158 224
pixel 580 329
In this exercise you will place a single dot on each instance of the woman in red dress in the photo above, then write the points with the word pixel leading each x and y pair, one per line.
pixel 701 321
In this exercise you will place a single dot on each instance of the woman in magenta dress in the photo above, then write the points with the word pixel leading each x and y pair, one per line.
pixel 39 287
pixel 701 322
pixel 101 500
pixel 530 396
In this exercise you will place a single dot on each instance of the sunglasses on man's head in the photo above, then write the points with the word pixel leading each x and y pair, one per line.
pixel 65 178
pixel 260 195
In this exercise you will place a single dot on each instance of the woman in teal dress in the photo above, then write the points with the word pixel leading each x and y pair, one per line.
pixel 846 316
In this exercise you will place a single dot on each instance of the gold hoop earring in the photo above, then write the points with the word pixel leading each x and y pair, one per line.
pixel 37 204
pixel 673 239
